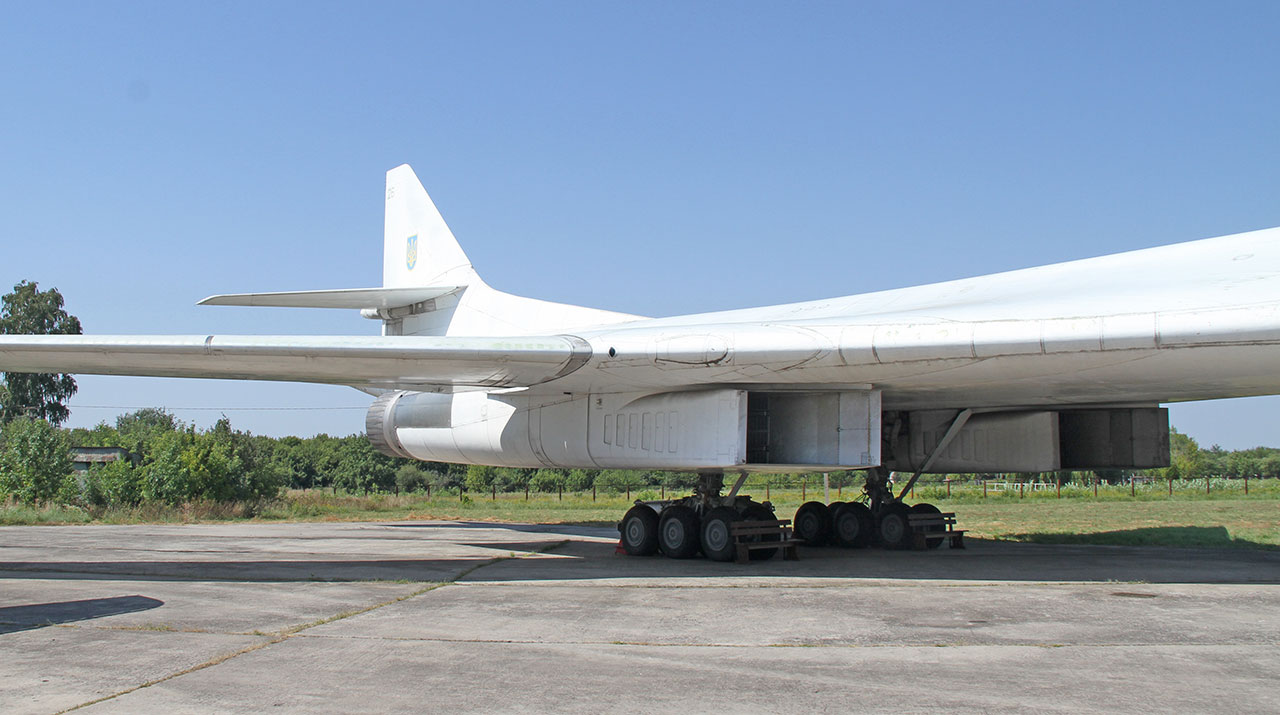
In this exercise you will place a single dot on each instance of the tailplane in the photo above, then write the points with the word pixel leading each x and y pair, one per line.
pixel 428 284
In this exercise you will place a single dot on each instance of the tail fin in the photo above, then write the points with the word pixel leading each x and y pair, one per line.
pixel 418 249
pixel 420 252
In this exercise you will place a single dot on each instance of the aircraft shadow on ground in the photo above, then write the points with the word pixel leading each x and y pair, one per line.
pixel 566 558
pixel 39 615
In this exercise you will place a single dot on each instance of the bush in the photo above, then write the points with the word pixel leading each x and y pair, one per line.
pixel 35 462
pixel 217 465
pixel 412 478
pixel 112 484
pixel 548 480
pixel 480 478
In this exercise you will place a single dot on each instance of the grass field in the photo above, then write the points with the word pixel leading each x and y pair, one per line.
pixel 1189 518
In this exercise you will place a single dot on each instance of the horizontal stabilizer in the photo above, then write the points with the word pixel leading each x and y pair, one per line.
pixel 353 298
pixel 394 362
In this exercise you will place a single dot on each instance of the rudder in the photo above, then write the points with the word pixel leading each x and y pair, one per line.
pixel 418 247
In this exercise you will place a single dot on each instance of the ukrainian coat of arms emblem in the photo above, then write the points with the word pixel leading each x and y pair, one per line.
pixel 411 251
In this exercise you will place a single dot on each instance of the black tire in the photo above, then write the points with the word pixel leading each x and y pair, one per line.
pixel 640 531
pixel 831 533
pixel 852 526
pixel 760 512
pixel 812 523
pixel 717 539
pixel 932 542
pixel 678 532
pixel 894 528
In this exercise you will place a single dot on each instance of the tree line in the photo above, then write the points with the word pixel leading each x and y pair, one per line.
pixel 174 463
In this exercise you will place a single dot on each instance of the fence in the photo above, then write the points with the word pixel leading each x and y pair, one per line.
pixel 801 489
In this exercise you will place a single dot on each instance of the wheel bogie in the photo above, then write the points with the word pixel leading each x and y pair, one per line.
pixel 812 523
pixel 639 529
pixel 893 527
pixel 717 537
pixel 678 532
pixel 852 526
pixel 930 541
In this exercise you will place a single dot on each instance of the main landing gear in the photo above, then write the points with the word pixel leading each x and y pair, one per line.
pixel 699 523
pixel 882 520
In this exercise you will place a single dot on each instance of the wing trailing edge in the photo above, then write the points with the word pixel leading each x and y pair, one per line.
pixel 391 362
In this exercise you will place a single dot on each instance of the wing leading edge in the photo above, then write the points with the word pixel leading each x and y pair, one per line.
pixel 394 362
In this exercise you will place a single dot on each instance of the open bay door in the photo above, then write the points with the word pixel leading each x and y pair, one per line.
pixel 809 431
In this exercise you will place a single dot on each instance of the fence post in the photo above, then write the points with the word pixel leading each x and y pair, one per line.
pixel 948 480
pixel 526 491
pixel 1170 486
pixel 766 491
pixel 561 486
pixel 1022 489
pixel 984 489
pixel 664 491
pixel 593 492
pixel 428 492
pixel 804 483
pixel 628 491
pixel 1246 485
pixel 1059 487
pixel 495 492
pixel 1133 481
pixel 1095 486
pixel 1206 485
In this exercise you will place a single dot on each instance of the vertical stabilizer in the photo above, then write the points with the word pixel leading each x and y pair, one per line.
pixel 419 251
pixel 418 247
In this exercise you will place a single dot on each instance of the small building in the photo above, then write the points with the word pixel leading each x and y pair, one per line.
pixel 84 457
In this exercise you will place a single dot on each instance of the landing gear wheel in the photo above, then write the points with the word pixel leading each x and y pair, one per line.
pixel 678 532
pixel 930 541
pixel 895 531
pixel 832 508
pixel 760 512
pixel 813 523
pixel 717 539
pixel 640 531
pixel 852 525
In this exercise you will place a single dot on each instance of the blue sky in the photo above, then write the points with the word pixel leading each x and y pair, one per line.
pixel 653 158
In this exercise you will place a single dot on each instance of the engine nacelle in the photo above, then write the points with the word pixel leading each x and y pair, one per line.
pixel 719 429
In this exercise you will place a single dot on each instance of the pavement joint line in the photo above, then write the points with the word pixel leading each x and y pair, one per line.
pixel 288 633
pixel 173 577
pixel 850 646
pixel 201 666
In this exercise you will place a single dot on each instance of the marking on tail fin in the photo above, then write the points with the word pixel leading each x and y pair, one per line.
pixel 411 251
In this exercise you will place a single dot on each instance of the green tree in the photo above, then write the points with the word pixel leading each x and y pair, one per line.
pixel 363 468
pixel 35 461
pixel 112 484
pixel 1186 459
pixel 136 430
pixel 411 477
pixel 480 477
pixel 548 480
pixel 31 311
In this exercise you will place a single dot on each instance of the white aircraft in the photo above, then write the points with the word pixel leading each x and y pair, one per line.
pixel 1058 367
